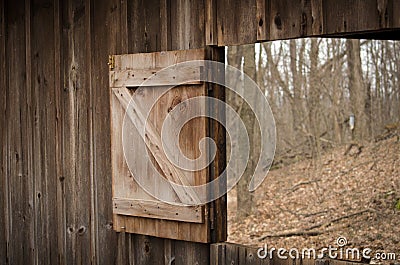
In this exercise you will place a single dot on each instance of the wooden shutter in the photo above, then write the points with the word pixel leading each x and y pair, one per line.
pixel 134 210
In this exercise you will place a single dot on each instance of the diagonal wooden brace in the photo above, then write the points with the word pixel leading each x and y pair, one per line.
pixel 152 139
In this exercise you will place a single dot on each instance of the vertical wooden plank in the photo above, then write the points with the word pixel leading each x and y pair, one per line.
pixel 122 255
pixel 227 253
pixel 76 132
pixel 289 19
pixel 215 254
pixel 248 256
pixel 177 19
pixel 164 24
pixel 317 17
pixel 109 20
pixel 357 15
pixel 187 29
pixel 239 25
pixel 3 139
pixel 396 13
pixel 169 251
pixel 231 254
pixel 336 19
pixel 124 27
pixel 385 13
pixel 191 253
pixel 44 133
pixel 217 132
pixel 148 250
pixel 19 245
pixel 68 138
pixel 27 128
pixel 144 26
pixel 211 30
pixel 263 19
pixel 58 93
pixel 45 178
pixel 94 253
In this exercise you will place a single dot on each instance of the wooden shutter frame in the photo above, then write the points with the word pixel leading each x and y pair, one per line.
pixel 196 223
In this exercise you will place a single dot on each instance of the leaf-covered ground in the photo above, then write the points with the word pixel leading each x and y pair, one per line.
pixel 311 203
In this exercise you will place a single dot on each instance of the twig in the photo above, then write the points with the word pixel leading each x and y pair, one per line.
pixel 294 187
pixel 293 233
pixel 337 219
pixel 313 214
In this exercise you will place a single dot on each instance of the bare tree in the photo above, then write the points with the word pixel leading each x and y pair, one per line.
pixel 357 88
pixel 236 56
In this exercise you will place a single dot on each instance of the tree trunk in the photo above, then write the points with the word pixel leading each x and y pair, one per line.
pixel 314 99
pixel 245 199
pixel 358 95
pixel 235 56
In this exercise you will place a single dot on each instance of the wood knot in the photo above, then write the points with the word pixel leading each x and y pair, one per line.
pixel 81 230
pixel 109 226
pixel 146 247
pixel 70 230
pixel 278 21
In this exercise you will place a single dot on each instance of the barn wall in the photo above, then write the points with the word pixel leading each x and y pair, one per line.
pixel 55 177
pixel 55 165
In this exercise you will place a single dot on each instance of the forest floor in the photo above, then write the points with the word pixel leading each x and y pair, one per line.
pixel 311 203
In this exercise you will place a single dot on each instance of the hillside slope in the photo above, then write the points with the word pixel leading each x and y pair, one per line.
pixel 311 203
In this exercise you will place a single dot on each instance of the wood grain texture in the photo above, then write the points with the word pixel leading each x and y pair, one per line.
pixel 317 17
pixel 158 210
pixel 266 20
pixel 187 20
pixel 108 25
pixel 395 10
pixel 154 144
pixel 211 30
pixel 143 19
pixel 55 166
pixel 263 19
pixel 76 131
pixel 20 237
pixel 192 253
pixel 44 131
pixel 237 22
pixel 123 183
pixel 288 21
pixel 356 16
pixel 217 132
pixel 3 138
pixel 156 77
pixel 58 88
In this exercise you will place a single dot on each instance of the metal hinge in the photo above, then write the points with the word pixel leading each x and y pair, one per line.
pixel 111 62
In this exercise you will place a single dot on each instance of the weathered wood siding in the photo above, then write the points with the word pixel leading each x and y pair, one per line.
pixel 56 204
pixel 249 21
pixel 55 173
